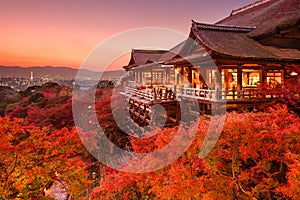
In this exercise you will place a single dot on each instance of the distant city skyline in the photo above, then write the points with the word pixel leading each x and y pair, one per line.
pixel 62 33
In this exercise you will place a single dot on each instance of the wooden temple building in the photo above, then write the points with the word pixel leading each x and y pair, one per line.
pixel 229 61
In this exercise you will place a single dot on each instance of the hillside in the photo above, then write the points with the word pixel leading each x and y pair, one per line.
pixel 53 72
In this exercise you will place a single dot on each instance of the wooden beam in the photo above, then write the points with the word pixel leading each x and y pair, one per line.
pixel 221 60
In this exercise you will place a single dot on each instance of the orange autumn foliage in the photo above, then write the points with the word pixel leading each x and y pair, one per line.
pixel 256 157
pixel 31 157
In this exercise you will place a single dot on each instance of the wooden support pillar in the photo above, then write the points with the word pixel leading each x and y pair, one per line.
pixel 132 75
pixel 282 71
pixel 181 75
pixel 263 75
pixel 154 94
pixel 139 76
pixel 226 79
pixel 168 76
pixel 151 76
pixel 190 78
pixel 165 77
pixel 174 90
pixel 219 78
pixel 172 78
pixel 176 76
pixel 203 76
pixel 239 77
pixel 178 112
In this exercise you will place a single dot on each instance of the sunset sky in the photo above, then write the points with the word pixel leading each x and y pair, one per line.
pixel 62 33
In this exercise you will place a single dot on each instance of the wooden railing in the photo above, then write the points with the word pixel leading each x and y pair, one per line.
pixel 204 94
pixel 165 94
pixel 153 94
pixel 207 94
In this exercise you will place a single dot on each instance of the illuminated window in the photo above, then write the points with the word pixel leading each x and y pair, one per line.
pixel 212 78
pixel 232 78
pixel 274 77
pixel 251 78
pixel 146 75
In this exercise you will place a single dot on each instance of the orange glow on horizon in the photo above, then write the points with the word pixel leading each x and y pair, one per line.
pixel 115 65
pixel 63 33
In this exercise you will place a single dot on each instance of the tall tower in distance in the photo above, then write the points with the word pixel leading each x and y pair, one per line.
pixel 31 82
pixel 31 76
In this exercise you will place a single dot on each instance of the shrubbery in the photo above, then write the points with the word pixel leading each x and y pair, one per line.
pixel 256 157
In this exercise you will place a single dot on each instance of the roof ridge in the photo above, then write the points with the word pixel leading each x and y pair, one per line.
pixel 247 7
pixel 149 50
pixel 222 27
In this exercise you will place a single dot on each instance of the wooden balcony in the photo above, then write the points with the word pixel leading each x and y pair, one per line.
pixel 142 101
pixel 153 95
pixel 163 94
pixel 246 97
pixel 228 95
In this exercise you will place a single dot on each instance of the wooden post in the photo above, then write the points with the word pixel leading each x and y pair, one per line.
pixel 133 75
pixel 219 78
pixel 145 115
pixel 176 76
pixel 178 112
pixel 174 90
pixel 140 76
pixel 263 75
pixel 226 79
pixel 282 71
pixel 239 77
pixel 166 73
pixel 181 75
pixel 190 75
pixel 151 76
pixel 154 94
pixel 203 76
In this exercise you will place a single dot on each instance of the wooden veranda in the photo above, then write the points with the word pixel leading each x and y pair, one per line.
pixel 237 63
